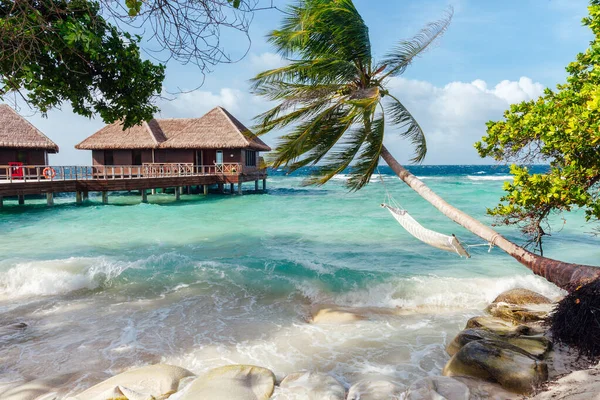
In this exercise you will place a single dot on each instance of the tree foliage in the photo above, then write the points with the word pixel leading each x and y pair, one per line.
pixel 332 97
pixel 81 51
pixel 562 128
pixel 55 51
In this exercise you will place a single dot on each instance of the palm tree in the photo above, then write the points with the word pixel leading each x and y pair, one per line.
pixel 333 97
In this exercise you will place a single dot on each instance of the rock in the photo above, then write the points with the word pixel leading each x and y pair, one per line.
pixel 335 316
pixel 496 361
pixel 502 327
pixel 537 346
pixel 520 314
pixel 145 383
pixel 375 390
pixel 438 388
pixel 311 386
pixel 232 382
pixel 482 390
pixel 38 389
pixel 521 296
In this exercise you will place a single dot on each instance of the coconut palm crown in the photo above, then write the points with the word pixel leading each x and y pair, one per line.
pixel 332 95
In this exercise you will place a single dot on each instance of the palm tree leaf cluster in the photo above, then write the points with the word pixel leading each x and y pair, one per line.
pixel 332 101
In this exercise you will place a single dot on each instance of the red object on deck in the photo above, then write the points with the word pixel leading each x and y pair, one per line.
pixel 16 169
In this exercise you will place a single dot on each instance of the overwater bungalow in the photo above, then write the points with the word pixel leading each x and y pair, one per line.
pixel 21 143
pixel 186 154
pixel 215 139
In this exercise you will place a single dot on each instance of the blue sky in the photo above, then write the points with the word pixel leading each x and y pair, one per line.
pixel 494 53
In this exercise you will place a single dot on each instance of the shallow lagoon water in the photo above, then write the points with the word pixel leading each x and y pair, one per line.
pixel 217 280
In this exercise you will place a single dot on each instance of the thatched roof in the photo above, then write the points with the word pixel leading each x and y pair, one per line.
pixel 17 132
pixel 145 136
pixel 217 129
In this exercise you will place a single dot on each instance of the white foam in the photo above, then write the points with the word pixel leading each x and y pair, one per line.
pixel 491 178
pixel 433 292
pixel 340 177
pixel 51 277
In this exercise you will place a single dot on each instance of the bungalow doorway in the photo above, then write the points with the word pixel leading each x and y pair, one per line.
pixel 199 160
pixel 219 157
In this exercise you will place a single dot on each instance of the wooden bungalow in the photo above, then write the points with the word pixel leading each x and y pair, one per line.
pixel 21 142
pixel 217 138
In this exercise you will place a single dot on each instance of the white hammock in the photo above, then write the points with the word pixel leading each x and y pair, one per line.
pixel 432 238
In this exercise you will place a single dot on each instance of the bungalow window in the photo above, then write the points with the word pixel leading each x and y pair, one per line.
pixel 250 158
pixel 109 158
pixel 136 156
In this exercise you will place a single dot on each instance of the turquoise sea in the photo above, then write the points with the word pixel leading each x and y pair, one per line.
pixel 222 279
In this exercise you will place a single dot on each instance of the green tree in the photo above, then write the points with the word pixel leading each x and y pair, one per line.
pixel 55 51
pixel 561 128
pixel 333 102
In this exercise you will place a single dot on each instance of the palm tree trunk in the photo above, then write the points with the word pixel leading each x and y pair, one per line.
pixel 565 275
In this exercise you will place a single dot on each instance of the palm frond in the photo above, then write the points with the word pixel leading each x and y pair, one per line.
pixel 322 130
pixel 273 119
pixel 409 126
pixel 368 158
pixel 296 93
pixel 323 29
pixel 338 160
pixel 323 71
pixel 407 50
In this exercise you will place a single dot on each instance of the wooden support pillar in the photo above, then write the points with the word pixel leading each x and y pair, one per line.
pixel 239 187
pixel 231 188
pixel 49 199
pixel 177 194
pixel 1 201
pixel 188 189
pixel 78 197
pixel 104 197
pixel 86 195
pixel 144 196
pixel 264 184
pixel 256 185
pixel 153 192
pixel 221 188
pixel 205 189
pixel 21 199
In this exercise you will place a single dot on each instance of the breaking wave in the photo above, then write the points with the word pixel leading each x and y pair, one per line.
pixel 52 277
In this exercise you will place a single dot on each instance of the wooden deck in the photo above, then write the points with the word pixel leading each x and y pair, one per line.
pixel 37 180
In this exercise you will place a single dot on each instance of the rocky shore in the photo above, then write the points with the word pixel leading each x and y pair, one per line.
pixel 506 354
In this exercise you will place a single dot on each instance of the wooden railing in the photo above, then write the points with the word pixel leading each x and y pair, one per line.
pixel 37 173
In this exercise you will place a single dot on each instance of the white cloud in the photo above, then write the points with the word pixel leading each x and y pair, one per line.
pixel 198 102
pixel 265 61
pixel 454 116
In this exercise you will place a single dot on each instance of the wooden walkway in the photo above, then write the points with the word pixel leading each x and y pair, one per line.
pixel 39 180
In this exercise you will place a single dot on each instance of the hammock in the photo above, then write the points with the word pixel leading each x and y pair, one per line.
pixel 432 238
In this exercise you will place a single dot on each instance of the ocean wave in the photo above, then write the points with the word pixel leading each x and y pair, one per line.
pixel 490 178
pixel 340 177
pixel 432 292
pixel 52 277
